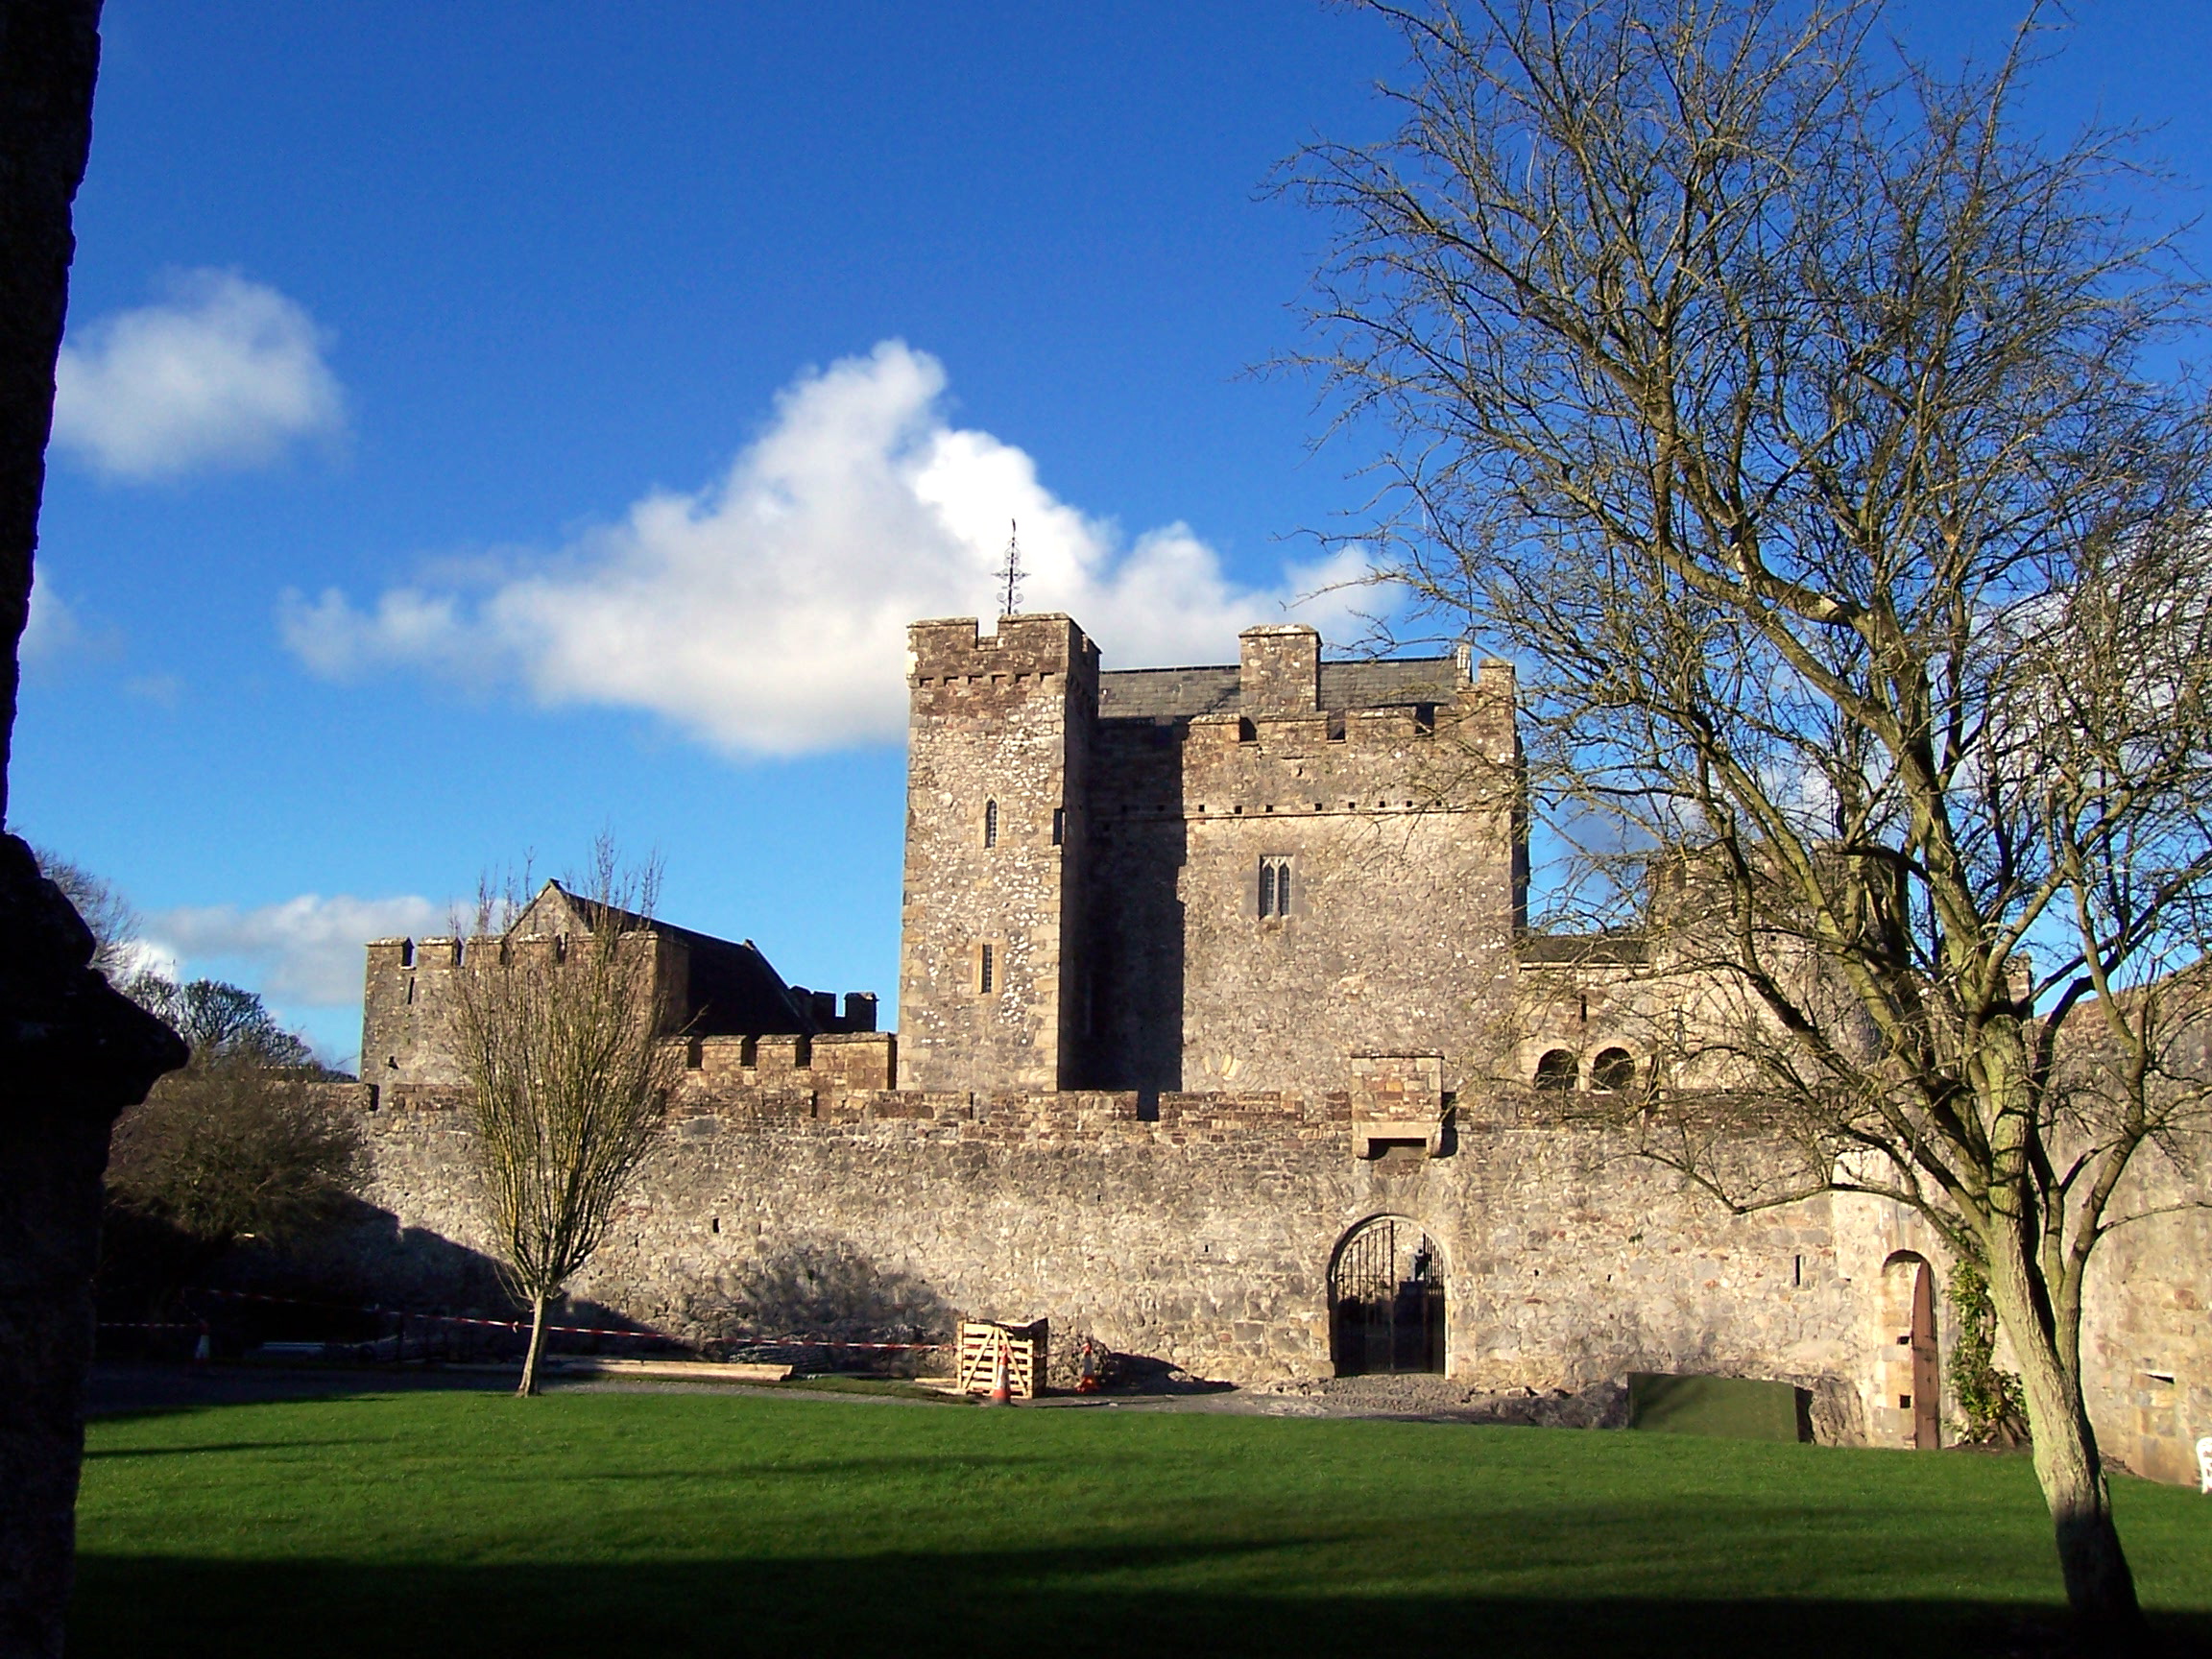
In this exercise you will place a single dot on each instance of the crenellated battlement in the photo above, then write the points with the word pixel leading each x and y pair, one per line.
pixel 709 990
pixel 1032 650
pixel 832 1063
pixel 845 1084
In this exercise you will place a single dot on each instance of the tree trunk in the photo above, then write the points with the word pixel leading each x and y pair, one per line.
pixel 529 1384
pixel 2100 1588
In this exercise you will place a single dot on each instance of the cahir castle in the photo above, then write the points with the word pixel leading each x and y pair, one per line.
pixel 1224 1039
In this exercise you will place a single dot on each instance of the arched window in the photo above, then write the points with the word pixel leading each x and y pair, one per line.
pixel 1274 886
pixel 1555 1070
pixel 989 823
pixel 1614 1068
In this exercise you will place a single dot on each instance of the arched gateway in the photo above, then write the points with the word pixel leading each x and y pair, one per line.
pixel 1386 1299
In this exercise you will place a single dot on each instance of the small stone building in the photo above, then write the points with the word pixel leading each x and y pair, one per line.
pixel 711 988
pixel 1224 1039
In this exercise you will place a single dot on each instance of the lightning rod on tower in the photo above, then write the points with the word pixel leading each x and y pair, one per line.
pixel 1010 577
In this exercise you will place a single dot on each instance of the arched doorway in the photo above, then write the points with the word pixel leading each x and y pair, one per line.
pixel 1914 1368
pixel 1386 1299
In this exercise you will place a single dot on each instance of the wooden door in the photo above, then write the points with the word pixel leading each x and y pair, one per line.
pixel 1927 1421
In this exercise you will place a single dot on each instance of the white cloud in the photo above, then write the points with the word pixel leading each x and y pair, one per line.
pixel 306 950
pixel 222 372
pixel 767 614
pixel 146 956
pixel 52 632
pixel 59 637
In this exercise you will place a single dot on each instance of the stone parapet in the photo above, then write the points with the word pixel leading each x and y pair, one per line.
pixel 1397 1100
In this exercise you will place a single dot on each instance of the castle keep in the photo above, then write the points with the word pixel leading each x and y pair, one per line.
pixel 1196 879
pixel 1223 1038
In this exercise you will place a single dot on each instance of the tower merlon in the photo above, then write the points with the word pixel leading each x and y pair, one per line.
pixel 1278 669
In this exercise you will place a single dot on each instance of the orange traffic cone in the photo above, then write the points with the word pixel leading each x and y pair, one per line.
pixel 1000 1393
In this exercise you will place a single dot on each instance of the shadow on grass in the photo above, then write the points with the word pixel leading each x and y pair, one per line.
pixel 104 1454
pixel 1062 1602
pixel 757 1465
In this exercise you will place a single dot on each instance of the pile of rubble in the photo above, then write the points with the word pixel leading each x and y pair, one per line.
pixel 1600 1406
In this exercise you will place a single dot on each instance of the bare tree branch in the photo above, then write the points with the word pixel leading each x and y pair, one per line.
pixel 564 1043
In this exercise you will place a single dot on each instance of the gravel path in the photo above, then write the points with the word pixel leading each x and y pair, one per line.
pixel 117 1387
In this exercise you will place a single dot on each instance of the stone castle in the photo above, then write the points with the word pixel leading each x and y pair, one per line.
pixel 1224 1038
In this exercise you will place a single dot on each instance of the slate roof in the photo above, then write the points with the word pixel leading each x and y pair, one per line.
pixel 1582 949
pixel 1185 693
pixel 734 990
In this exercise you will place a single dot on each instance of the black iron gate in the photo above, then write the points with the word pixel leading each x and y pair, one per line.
pixel 1386 1301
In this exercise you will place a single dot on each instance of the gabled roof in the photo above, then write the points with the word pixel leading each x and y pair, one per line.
pixel 1164 693
pixel 734 990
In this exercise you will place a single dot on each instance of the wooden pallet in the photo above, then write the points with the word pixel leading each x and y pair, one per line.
pixel 989 1349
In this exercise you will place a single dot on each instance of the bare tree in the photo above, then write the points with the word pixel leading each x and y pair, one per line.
pixel 1781 408
pixel 102 907
pixel 564 1043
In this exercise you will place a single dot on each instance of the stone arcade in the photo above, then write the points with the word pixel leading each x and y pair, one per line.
pixel 1223 1037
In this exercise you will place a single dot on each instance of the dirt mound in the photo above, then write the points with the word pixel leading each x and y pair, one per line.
pixel 1600 1406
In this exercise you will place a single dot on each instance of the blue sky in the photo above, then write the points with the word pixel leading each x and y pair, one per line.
pixel 485 424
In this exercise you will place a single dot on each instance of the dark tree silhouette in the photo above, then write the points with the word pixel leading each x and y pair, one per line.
pixel 218 1020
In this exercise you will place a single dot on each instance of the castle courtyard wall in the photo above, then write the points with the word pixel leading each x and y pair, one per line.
pixel 1204 1239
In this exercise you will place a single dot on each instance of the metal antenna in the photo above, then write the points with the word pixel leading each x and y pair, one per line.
pixel 1010 577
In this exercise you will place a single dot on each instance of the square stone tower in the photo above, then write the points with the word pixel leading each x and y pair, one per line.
pixel 1224 876
pixel 996 773
pixel 1294 861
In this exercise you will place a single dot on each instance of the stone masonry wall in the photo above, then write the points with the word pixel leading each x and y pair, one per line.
pixel 1398 837
pixel 409 1000
pixel 996 746
pixel 1204 1236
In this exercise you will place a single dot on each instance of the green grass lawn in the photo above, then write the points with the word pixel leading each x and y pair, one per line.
pixel 616 1523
